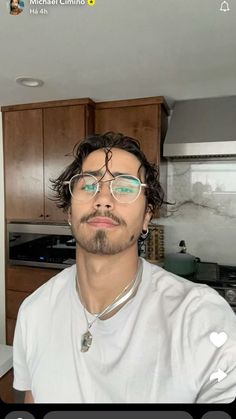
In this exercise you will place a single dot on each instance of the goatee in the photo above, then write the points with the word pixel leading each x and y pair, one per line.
pixel 99 244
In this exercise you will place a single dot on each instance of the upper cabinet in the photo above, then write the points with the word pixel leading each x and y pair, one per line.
pixel 144 119
pixel 38 145
pixel 39 140
pixel 63 126
pixel 23 161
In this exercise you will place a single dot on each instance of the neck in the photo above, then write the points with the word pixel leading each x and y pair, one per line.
pixel 103 278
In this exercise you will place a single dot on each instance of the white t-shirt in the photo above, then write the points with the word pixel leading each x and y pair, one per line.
pixel 158 348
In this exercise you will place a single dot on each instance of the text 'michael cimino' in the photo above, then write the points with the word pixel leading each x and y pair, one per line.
pixel 55 2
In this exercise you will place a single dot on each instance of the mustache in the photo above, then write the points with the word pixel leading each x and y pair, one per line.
pixel 107 214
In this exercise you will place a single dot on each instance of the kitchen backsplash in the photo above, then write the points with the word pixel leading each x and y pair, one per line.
pixel 204 214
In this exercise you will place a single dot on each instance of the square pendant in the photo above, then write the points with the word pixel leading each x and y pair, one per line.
pixel 86 341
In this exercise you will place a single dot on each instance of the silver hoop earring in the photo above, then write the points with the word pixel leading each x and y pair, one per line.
pixel 144 234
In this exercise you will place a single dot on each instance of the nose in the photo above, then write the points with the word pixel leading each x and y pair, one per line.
pixel 104 198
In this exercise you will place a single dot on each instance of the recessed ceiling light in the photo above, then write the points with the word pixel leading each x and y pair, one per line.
pixel 29 81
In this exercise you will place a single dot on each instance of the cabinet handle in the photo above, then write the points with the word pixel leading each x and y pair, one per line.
pixel 41 216
pixel 47 215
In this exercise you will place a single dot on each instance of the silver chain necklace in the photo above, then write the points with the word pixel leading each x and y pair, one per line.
pixel 87 337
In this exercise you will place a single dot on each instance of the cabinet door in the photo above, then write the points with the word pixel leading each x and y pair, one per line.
pixel 21 281
pixel 10 330
pixel 64 126
pixel 14 300
pixel 26 278
pixel 140 122
pixel 23 160
pixel 6 388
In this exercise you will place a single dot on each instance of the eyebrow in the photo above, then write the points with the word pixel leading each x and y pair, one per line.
pixel 99 173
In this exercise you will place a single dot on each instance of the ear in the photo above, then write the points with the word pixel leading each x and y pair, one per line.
pixel 69 215
pixel 147 217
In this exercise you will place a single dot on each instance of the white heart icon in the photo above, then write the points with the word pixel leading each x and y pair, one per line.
pixel 218 339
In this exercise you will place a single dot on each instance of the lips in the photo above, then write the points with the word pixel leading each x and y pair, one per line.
pixel 102 222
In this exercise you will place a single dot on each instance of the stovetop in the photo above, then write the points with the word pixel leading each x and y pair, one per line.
pixel 220 277
pixel 227 273
pixel 212 273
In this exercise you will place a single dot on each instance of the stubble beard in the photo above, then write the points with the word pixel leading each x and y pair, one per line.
pixel 100 244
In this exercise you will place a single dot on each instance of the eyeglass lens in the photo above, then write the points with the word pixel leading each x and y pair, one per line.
pixel 124 188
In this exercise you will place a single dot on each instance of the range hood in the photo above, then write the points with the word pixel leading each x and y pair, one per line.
pixel 202 128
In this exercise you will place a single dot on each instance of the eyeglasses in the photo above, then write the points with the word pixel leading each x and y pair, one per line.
pixel 124 188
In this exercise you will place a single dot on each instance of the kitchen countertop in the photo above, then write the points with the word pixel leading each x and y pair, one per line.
pixel 6 359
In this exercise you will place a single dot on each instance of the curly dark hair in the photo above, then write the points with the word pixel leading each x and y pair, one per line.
pixel 154 192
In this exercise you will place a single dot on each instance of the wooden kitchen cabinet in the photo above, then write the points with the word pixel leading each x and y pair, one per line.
pixel 64 126
pixel 143 119
pixel 14 300
pixel 6 389
pixel 10 330
pixel 39 140
pixel 38 145
pixel 21 281
pixel 23 161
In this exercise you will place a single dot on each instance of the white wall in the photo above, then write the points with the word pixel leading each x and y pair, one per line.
pixel 2 243
pixel 205 211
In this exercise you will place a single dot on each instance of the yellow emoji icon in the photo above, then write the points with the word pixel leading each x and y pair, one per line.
pixel 91 2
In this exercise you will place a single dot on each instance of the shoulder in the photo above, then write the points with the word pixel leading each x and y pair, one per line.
pixel 48 295
pixel 182 295
pixel 166 281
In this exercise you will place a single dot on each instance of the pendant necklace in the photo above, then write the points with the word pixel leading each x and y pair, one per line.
pixel 87 337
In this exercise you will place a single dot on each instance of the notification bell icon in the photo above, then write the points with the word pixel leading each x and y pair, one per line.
pixel 224 7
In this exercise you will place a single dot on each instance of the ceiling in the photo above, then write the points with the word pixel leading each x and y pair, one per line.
pixel 118 49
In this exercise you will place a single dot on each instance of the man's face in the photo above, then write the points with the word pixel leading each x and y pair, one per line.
pixel 92 234
pixel 14 4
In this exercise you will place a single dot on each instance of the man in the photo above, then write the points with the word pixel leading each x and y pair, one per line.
pixel 14 7
pixel 113 327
